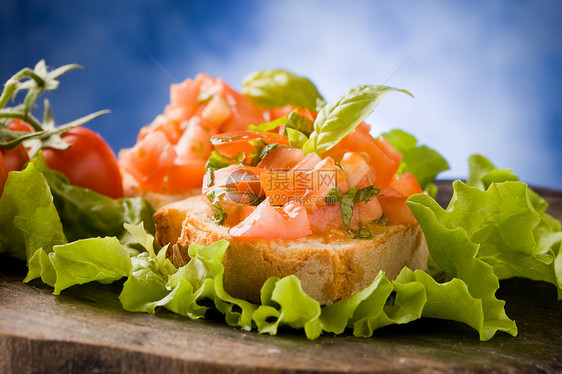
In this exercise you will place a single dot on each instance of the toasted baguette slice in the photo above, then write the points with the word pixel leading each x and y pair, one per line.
pixel 329 269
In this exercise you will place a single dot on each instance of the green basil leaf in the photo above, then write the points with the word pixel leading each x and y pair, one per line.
pixel 268 126
pixel 218 161
pixel 339 117
pixel 265 150
pixel 296 138
pixel 366 194
pixel 297 122
pixel 214 197
pixel 363 233
pixel 277 88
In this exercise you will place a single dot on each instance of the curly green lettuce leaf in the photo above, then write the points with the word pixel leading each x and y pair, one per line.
pixel 87 260
pixel 423 162
pixel 339 117
pixel 278 88
pixel 85 213
pixel 502 225
pixel 28 217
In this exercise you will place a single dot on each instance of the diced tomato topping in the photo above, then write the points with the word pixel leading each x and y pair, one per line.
pixel 176 143
pixel 148 157
pixel 325 176
pixel 393 199
pixel 194 142
pixel 355 166
pixel 368 212
pixel 232 143
pixel 244 112
pixel 239 177
pixel 382 158
pixel 289 222
pixel 396 211
pixel 185 175
pixel 281 158
pixel 406 184
pixel 186 93
pixel 326 216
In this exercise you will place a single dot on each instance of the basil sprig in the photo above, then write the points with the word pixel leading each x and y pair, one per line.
pixel 277 88
pixel 339 117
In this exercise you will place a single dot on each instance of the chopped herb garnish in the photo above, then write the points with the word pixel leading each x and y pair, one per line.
pixel 349 199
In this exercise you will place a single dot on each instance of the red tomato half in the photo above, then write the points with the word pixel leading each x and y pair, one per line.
pixel 232 143
pixel 89 162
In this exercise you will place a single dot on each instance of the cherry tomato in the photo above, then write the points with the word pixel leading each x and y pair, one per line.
pixel 15 158
pixel 232 143
pixel 3 174
pixel 89 162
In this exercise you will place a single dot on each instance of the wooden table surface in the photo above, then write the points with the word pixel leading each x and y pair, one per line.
pixel 85 330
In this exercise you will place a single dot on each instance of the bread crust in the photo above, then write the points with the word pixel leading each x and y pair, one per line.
pixel 329 269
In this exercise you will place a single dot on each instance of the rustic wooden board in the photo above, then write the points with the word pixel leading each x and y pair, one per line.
pixel 86 330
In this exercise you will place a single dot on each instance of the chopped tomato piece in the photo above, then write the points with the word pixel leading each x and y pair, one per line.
pixel 368 212
pixel 395 210
pixel 238 177
pixel 176 143
pixel 194 142
pixel 384 162
pixel 148 157
pixel 161 123
pixel 406 184
pixel 185 94
pixel 325 217
pixel 281 158
pixel 244 112
pixel 355 166
pixel 289 222
pixel 325 176
pixel 186 175
pixel 217 111
pixel 232 143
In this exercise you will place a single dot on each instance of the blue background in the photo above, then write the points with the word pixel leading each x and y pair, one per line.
pixel 486 75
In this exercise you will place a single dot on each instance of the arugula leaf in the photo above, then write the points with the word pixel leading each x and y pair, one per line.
pixel 423 162
pixel 278 88
pixel 339 117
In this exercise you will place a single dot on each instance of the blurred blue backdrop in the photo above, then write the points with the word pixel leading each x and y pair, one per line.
pixel 486 75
